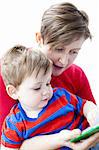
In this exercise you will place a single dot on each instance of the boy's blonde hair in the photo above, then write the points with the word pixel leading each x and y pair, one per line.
pixel 20 62
pixel 64 23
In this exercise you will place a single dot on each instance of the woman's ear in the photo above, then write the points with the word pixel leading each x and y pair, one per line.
pixel 38 37
pixel 12 92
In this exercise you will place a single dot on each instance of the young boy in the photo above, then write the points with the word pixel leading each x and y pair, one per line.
pixel 41 110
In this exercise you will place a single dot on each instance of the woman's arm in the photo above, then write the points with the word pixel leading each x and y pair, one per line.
pixel 6 148
pixel 50 142
pixel 91 112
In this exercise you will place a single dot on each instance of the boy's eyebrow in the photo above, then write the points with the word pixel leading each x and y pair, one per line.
pixel 37 83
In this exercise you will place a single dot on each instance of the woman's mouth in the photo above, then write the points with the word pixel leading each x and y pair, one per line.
pixel 57 70
pixel 58 67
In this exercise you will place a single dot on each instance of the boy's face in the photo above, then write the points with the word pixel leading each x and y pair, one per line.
pixel 63 56
pixel 35 92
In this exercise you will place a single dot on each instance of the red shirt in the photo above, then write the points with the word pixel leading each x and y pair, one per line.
pixel 73 79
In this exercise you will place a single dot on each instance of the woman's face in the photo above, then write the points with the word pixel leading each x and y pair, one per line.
pixel 63 56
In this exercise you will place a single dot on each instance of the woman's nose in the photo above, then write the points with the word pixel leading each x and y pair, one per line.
pixel 64 60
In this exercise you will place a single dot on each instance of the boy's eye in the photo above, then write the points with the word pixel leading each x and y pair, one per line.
pixel 37 88
pixel 48 84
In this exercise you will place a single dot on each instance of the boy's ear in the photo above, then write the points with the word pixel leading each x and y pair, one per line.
pixel 38 37
pixel 12 92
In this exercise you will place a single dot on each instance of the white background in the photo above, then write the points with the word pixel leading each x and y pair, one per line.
pixel 20 19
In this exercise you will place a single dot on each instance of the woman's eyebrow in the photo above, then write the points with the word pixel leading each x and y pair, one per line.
pixel 75 48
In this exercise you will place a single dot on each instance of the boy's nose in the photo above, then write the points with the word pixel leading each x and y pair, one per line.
pixel 45 92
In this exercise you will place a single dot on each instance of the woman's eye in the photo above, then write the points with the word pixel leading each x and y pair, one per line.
pixel 73 52
pixel 59 49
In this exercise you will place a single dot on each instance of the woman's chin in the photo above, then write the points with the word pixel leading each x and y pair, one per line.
pixel 57 72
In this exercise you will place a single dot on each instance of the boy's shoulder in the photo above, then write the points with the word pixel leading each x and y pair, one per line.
pixel 15 115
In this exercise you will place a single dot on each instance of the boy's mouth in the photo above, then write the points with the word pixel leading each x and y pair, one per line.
pixel 44 102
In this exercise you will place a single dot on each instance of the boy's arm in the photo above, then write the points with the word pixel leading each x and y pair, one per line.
pixel 11 137
pixel 50 142
pixel 91 112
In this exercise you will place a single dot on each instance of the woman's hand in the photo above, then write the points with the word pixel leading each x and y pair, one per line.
pixel 84 144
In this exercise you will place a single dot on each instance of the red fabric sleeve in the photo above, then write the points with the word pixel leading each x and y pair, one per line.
pixel 85 89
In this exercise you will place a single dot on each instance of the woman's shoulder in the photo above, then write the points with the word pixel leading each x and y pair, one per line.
pixel 74 70
pixel 75 67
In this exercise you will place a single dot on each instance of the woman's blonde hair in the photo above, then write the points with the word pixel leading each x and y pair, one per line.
pixel 64 23
pixel 20 62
